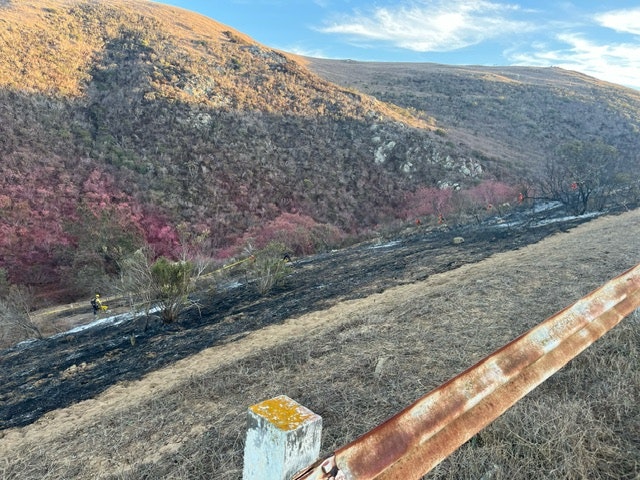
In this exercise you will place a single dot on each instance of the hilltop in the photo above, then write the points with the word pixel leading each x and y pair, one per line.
pixel 519 115
pixel 128 122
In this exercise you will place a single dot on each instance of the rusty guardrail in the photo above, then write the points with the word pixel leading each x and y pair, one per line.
pixel 415 440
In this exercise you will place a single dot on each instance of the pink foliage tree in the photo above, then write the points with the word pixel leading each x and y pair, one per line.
pixel 159 234
pixel 492 195
pixel 32 212
pixel 299 233
pixel 428 202
pixel 38 211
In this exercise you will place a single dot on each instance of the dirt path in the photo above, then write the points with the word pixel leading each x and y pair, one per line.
pixel 478 297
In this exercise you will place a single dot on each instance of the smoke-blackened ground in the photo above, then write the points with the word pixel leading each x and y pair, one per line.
pixel 355 357
pixel 40 376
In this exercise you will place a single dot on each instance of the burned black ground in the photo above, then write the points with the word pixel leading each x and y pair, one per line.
pixel 53 373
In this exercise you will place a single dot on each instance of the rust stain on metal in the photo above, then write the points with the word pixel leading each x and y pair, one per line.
pixel 415 440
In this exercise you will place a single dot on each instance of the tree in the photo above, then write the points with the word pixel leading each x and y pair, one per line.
pixel 16 310
pixel 582 176
pixel 102 240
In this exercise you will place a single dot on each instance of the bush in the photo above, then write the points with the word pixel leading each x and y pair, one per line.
pixel 487 198
pixel 295 232
pixel 427 201
pixel 268 267
pixel 163 284
pixel 172 285
pixel 16 307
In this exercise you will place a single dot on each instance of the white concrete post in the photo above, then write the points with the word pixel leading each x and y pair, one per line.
pixel 283 437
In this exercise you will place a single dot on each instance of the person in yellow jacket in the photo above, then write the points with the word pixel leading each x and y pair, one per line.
pixel 96 303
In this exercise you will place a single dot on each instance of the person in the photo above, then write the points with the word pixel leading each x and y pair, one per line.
pixel 96 303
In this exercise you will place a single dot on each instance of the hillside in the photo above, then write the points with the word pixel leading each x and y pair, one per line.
pixel 233 306
pixel 126 122
pixel 515 114
pixel 153 116
pixel 357 335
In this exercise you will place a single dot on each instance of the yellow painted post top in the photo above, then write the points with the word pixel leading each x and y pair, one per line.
pixel 283 412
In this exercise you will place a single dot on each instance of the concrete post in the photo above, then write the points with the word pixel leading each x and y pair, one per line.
pixel 283 437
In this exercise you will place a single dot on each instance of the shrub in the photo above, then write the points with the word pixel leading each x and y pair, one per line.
pixel 427 201
pixel 268 267
pixel 16 307
pixel 136 282
pixel 163 284
pixel 491 194
pixel 295 232
pixel 172 285
pixel 488 198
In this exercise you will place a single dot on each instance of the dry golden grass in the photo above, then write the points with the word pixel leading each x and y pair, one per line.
pixel 53 47
pixel 48 46
pixel 363 360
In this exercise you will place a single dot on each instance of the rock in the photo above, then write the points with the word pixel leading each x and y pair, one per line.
pixel 379 367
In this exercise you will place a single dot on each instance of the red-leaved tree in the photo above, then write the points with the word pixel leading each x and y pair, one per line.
pixel 299 233
pixel 428 202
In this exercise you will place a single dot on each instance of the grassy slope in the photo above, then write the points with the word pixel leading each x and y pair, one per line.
pixel 519 114
pixel 162 116
pixel 188 421
pixel 172 117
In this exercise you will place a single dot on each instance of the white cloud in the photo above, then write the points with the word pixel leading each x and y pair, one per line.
pixel 431 26
pixel 625 21
pixel 305 52
pixel 449 25
pixel 614 62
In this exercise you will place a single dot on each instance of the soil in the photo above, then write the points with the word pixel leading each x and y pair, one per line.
pixel 41 376
pixel 363 347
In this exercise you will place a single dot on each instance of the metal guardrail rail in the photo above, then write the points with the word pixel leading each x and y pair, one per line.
pixel 414 441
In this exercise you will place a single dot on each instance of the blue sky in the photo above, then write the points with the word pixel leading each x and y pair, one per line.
pixel 601 39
